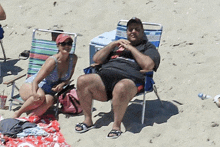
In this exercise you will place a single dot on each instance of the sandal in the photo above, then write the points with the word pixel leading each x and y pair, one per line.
pixel 84 127
pixel 115 134
pixel 24 55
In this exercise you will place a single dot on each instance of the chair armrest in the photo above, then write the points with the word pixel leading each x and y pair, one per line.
pixel 145 71
pixel 148 86
pixel 10 81
pixel 65 89
pixel 94 64
pixel 93 68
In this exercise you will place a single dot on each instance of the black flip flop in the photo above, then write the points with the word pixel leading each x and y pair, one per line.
pixel 84 127
pixel 24 55
pixel 115 133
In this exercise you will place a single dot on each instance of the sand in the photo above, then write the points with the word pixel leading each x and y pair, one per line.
pixel 189 65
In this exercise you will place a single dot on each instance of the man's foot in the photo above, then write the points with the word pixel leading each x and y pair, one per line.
pixel 82 127
pixel 113 134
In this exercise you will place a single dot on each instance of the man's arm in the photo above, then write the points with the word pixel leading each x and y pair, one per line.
pixel 2 13
pixel 101 56
pixel 144 61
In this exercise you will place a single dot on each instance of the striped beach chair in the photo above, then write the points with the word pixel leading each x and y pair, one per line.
pixel 153 31
pixel 40 50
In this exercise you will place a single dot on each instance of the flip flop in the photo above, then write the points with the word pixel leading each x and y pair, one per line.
pixel 115 133
pixel 84 127
pixel 216 100
pixel 24 55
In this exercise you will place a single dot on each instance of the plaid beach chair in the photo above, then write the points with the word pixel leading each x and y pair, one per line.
pixel 40 50
pixel 153 32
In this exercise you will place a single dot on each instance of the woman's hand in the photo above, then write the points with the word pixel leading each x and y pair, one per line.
pixel 36 97
pixel 58 87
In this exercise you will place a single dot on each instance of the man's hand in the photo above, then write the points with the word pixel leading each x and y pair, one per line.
pixel 125 44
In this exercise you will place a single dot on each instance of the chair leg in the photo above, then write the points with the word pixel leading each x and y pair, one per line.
pixel 143 109
pixel 12 95
pixel 3 51
pixel 57 109
pixel 155 91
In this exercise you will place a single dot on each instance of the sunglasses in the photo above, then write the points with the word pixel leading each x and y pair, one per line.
pixel 69 43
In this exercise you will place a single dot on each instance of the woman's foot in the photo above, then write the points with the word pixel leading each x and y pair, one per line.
pixel 16 115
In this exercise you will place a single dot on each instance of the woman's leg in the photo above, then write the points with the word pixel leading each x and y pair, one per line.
pixel 43 107
pixel 30 103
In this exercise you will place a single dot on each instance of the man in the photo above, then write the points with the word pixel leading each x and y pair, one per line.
pixel 119 77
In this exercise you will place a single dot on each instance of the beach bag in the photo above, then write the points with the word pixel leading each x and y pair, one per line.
pixel 70 102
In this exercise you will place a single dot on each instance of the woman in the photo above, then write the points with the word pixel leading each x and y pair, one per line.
pixel 38 91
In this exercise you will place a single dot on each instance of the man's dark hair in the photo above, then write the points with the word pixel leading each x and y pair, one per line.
pixel 135 20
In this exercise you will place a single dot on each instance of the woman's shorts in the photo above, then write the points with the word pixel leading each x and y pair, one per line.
pixel 43 85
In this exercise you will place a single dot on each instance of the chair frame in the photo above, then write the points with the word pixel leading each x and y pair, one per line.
pixel 3 50
pixel 11 82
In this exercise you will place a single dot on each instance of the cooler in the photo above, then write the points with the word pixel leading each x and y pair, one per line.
pixel 99 42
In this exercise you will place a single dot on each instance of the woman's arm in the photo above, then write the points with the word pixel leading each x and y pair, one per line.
pixel 45 70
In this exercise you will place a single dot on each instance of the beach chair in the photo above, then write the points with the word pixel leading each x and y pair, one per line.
pixel 1 37
pixel 3 51
pixel 153 32
pixel 40 50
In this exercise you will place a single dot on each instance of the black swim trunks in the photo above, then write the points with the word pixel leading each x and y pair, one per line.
pixel 111 77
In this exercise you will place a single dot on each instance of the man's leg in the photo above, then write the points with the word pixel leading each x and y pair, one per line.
pixel 123 92
pixel 90 87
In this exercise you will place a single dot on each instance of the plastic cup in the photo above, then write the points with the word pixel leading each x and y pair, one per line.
pixel 3 99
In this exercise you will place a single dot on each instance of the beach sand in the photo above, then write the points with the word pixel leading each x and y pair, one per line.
pixel 189 64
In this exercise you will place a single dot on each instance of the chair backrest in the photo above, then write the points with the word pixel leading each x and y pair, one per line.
pixel 41 49
pixel 153 31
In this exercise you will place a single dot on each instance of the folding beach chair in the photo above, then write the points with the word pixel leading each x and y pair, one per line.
pixel 40 50
pixel 153 32
pixel 1 37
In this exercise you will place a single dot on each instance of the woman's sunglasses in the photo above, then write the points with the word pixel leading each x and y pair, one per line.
pixel 69 43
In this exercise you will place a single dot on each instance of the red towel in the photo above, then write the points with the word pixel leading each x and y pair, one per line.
pixel 49 124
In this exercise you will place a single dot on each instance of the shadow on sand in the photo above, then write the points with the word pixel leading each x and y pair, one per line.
pixel 155 113
pixel 9 68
